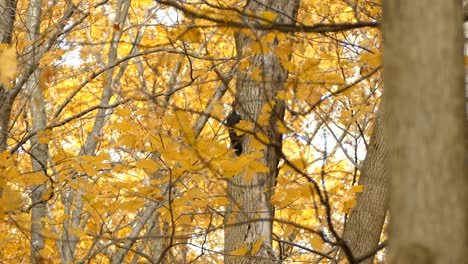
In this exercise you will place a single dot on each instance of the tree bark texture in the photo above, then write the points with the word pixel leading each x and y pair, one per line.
pixel 7 18
pixel 39 151
pixel 249 215
pixel 424 92
pixel 364 226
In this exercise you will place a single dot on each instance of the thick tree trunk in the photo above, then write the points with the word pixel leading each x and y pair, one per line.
pixel 365 222
pixel 424 93
pixel 248 220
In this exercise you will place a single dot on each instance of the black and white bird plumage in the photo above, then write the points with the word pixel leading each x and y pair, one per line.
pixel 232 119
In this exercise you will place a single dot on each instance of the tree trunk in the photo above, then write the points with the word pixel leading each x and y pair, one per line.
pixel 365 222
pixel 248 220
pixel 424 93
pixel 7 18
pixel 39 151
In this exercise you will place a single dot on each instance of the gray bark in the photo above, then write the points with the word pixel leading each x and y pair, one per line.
pixel 7 17
pixel 38 151
pixel 364 226
pixel 424 92
pixel 249 215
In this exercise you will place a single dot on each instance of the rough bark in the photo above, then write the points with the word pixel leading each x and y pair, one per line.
pixel 7 17
pixel 249 215
pixel 365 222
pixel 424 93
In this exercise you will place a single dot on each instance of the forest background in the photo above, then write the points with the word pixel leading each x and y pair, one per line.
pixel 114 146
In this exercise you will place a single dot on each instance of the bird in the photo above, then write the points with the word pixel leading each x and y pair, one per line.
pixel 231 120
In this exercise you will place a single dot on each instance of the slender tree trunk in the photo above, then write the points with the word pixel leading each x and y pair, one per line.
pixel 365 222
pixel 7 18
pixel 424 92
pixel 38 151
pixel 248 231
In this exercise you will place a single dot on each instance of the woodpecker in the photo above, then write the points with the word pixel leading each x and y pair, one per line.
pixel 232 119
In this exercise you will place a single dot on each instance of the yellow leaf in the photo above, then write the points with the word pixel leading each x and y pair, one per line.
pixel 372 59
pixel 128 140
pixel 281 36
pixel 270 37
pixel 258 166
pixel 231 168
pixel 357 188
pixel 284 96
pixel 316 242
pixel 123 112
pixel 243 127
pixel 349 202
pixel 131 206
pixel 77 231
pixel 260 141
pixel 46 59
pixel 12 173
pixel 256 246
pixel 220 201
pixel 147 164
pixel 268 16
pixel 44 136
pixel 240 252
pixel 187 34
pixel 47 194
pixel 263 119
pixel 298 164
pixel 11 199
pixel 183 122
pixel 8 65
pixel 289 66
pixel 256 74
pixel 217 110
pixel 259 48
pixel 282 128
pixel 36 178
pixel 49 234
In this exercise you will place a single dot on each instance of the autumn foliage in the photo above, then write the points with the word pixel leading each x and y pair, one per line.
pixel 135 94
